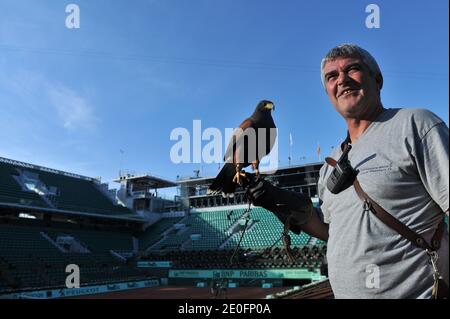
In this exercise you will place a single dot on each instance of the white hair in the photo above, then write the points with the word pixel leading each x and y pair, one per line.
pixel 350 50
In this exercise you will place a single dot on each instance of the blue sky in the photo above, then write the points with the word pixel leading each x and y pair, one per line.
pixel 71 99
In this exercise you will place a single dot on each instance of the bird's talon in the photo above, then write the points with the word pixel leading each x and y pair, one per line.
pixel 237 177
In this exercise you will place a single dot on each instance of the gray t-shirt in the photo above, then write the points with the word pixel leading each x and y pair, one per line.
pixel 402 159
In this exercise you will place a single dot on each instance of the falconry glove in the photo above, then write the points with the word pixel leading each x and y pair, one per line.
pixel 290 207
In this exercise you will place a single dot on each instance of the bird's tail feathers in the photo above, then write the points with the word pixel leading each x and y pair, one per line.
pixel 223 183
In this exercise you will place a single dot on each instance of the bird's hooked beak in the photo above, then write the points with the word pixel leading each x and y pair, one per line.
pixel 270 106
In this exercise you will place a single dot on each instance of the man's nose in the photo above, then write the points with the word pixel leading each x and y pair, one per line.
pixel 342 78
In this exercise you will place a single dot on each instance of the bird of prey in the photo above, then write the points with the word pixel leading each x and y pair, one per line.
pixel 248 145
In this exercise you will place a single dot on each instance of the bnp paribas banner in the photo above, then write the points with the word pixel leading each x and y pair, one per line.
pixel 87 290
pixel 248 274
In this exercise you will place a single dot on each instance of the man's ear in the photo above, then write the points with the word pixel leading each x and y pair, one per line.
pixel 379 80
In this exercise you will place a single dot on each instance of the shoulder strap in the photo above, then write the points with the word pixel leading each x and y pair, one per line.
pixel 397 225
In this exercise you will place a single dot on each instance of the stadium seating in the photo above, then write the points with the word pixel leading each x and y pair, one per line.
pixel 95 241
pixel 154 233
pixel 34 253
pixel 211 226
pixel 11 192
pixel 28 259
pixel 265 231
pixel 81 195
pixel 73 194
pixel 305 257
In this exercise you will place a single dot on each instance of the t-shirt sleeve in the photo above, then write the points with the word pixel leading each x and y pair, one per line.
pixel 432 162
pixel 321 187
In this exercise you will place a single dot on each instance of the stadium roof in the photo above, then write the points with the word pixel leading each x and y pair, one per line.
pixel 45 169
pixel 148 180
pixel 194 180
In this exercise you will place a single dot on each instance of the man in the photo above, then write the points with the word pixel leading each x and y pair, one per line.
pixel 401 159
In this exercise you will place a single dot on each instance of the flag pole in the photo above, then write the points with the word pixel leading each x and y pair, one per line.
pixel 290 148
pixel 121 162
pixel 318 151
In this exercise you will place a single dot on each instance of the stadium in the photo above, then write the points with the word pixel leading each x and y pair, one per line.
pixel 181 88
pixel 132 243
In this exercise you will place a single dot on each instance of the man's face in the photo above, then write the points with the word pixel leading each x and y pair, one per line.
pixel 351 87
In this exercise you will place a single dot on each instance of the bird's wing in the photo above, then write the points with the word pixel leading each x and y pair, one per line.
pixel 237 135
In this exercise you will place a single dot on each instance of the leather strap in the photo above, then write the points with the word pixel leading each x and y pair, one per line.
pixel 390 220
pixel 287 239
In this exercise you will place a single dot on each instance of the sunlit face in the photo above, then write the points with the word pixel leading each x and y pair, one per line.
pixel 352 89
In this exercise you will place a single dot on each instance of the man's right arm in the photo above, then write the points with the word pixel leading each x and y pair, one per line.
pixel 315 227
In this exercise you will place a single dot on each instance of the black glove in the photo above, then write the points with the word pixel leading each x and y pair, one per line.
pixel 283 203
